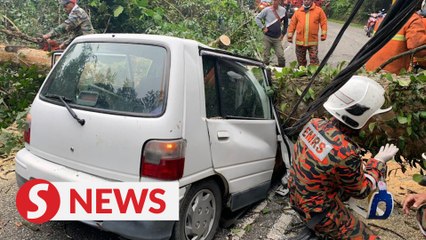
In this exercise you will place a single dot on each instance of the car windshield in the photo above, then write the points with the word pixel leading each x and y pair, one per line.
pixel 111 77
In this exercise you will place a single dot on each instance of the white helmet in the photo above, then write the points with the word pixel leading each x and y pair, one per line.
pixel 357 101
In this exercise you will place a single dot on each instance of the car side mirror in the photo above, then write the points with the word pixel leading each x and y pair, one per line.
pixel 56 55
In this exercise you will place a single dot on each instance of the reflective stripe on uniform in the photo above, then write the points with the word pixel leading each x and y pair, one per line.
pixel 397 37
pixel 306 28
pixel 307 44
pixel 372 180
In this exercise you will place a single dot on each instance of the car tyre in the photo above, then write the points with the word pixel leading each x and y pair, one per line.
pixel 200 212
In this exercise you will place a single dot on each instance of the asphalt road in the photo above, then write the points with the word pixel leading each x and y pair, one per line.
pixel 270 219
pixel 351 42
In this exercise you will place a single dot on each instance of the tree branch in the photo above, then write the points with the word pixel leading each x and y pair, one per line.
pixel 107 24
pixel 12 23
pixel 410 52
pixel 19 34
pixel 177 10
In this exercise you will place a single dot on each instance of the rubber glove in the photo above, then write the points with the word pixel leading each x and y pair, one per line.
pixel 386 152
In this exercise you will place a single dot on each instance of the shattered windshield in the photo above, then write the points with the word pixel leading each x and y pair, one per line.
pixel 128 78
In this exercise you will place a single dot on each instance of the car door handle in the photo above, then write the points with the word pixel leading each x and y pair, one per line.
pixel 223 135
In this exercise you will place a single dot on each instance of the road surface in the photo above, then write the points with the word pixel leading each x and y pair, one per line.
pixel 351 42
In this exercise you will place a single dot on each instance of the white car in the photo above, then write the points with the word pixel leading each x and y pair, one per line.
pixel 138 108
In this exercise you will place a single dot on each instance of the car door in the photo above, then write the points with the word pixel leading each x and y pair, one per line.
pixel 241 128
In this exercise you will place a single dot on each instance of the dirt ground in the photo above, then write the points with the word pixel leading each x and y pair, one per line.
pixel 399 184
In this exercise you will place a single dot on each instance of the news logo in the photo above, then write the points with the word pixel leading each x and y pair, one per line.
pixel 39 201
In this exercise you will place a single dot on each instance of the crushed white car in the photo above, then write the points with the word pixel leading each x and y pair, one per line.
pixel 143 108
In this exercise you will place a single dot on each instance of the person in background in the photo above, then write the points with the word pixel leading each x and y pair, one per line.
pixel 306 22
pixel 413 200
pixel 78 23
pixel 288 7
pixel 327 168
pixel 273 22
pixel 410 36
pixel 417 201
pixel 420 62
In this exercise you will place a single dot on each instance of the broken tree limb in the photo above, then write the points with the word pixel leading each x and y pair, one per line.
pixel 222 42
pixel 20 35
pixel 11 23
pixel 27 56
pixel 410 52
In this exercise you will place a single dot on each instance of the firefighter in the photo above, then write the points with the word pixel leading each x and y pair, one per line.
pixel 327 168
pixel 78 23
pixel 307 32
pixel 410 36
pixel 420 62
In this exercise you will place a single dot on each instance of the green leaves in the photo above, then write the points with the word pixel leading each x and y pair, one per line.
pixel 389 77
pixel 118 10
pixel 19 86
pixel 402 120
pixel 269 91
pixel 420 178
pixel 404 82
pixel 371 126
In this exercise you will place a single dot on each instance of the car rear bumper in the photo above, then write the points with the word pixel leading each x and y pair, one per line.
pixel 29 166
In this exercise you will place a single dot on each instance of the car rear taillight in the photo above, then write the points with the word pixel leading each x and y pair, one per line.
pixel 27 130
pixel 163 159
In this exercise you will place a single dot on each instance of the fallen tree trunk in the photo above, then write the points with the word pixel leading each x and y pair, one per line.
pixel 26 56
pixel 221 42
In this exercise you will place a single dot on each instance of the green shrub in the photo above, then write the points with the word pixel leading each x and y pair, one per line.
pixel 18 87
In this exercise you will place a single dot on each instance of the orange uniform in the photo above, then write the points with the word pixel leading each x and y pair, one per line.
pixel 421 61
pixel 411 35
pixel 306 25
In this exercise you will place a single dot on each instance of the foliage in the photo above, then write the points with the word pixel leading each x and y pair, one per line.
pixel 18 87
pixel 290 82
pixel 33 17
pixel 11 138
pixel 407 94
pixel 201 20
pixel 340 9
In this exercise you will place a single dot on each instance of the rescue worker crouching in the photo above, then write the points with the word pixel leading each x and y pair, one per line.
pixel 327 169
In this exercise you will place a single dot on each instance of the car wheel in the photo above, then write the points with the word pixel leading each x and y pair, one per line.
pixel 200 212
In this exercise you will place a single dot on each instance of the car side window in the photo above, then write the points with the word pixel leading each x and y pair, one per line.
pixel 212 99
pixel 233 91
